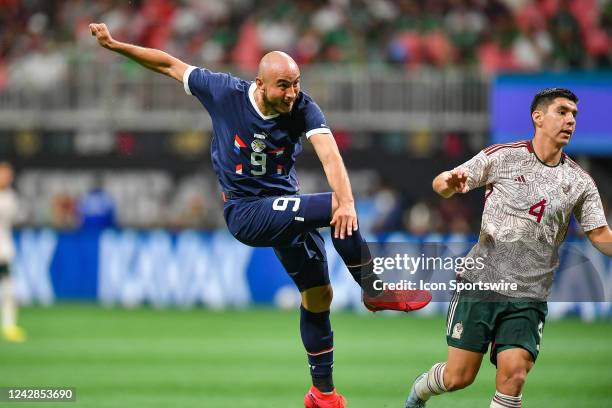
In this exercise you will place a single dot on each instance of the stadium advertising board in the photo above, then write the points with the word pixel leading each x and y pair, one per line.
pixel 130 268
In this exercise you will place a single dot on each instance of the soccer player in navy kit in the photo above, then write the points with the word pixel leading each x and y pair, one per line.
pixel 257 129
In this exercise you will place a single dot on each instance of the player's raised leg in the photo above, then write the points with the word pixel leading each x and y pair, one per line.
pixel 513 364
pixel 356 255
pixel 456 373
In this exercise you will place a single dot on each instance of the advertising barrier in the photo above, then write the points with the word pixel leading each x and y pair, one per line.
pixel 166 269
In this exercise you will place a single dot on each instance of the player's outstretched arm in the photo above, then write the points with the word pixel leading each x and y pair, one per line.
pixel 448 183
pixel 601 238
pixel 153 59
pixel 344 219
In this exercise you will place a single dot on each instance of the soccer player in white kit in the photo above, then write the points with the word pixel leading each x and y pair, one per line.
pixel 8 213
pixel 532 189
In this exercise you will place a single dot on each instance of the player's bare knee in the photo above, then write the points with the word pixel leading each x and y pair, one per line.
pixel 512 381
pixel 517 380
pixel 512 370
pixel 317 299
pixel 458 379
pixel 325 296
pixel 458 382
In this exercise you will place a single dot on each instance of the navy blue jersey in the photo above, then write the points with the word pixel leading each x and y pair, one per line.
pixel 252 154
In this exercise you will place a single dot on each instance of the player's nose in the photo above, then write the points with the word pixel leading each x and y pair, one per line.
pixel 290 94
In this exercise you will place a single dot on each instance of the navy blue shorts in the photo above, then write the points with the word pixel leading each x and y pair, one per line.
pixel 289 225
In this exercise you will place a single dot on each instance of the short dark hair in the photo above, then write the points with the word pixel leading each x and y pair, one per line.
pixel 546 96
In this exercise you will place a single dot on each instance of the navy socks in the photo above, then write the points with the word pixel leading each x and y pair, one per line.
pixel 318 340
pixel 356 256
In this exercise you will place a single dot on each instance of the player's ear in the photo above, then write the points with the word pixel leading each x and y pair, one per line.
pixel 259 82
pixel 537 116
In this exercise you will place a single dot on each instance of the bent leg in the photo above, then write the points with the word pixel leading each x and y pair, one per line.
pixel 516 347
pixel 461 368
pixel 317 299
pixel 512 367
pixel 356 255
pixel 468 334
pixel 456 373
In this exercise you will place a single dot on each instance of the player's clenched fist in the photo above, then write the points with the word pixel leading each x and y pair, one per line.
pixel 100 31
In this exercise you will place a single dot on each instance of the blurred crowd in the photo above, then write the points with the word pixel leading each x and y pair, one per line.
pixel 88 199
pixel 490 34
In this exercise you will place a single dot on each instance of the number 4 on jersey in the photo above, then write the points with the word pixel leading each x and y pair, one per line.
pixel 537 210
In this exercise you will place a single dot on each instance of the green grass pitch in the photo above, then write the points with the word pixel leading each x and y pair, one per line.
pixel 149 358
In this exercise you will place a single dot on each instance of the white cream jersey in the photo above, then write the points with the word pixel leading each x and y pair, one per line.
pixel 527 210
pixel 8 215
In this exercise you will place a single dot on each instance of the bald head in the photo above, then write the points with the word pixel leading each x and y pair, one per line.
pixel 278 83
pixel 277 63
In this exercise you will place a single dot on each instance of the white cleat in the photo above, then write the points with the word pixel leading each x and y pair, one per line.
pixel 413 401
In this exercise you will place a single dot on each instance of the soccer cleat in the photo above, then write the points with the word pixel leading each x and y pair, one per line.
pixel 316 399
pixel 14 334
pixel 400 300
pixel 413 401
